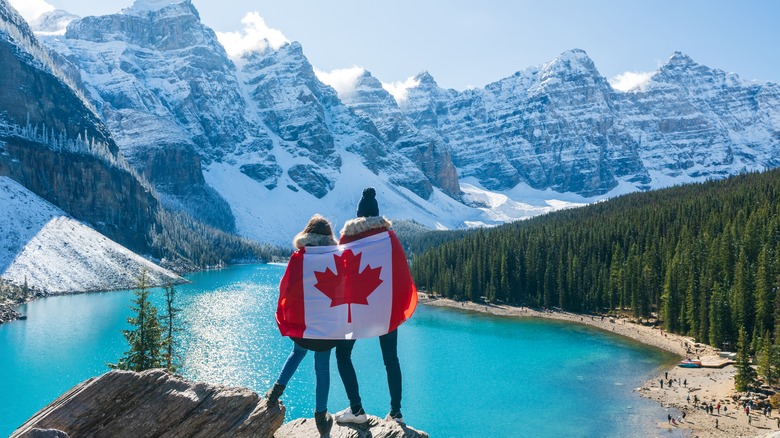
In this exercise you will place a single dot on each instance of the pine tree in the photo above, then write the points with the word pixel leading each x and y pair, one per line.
pixel 746 375
pixel 170 329
pixel 145 340
pixel 767 359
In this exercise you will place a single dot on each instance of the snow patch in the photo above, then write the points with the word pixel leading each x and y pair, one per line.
pixel 42 246
pixel 521 202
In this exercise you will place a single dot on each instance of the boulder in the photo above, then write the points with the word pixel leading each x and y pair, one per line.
pixel 124 404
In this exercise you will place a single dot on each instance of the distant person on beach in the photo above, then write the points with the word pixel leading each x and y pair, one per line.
pixel 367 223
pixel 716 423
pixel 669 418
pixel 317 232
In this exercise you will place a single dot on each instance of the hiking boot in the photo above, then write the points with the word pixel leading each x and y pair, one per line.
pixel 347 416
pixel 324 422
pixel 274 393
pixel 395 416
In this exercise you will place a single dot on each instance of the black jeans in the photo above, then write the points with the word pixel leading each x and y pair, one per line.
pixel 389 345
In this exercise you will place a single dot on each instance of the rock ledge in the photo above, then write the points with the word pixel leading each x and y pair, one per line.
pixel 123 404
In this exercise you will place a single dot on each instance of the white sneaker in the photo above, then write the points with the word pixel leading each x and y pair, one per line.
pixel 346 416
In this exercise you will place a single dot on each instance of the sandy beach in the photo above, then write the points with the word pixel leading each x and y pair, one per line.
pixel 708 385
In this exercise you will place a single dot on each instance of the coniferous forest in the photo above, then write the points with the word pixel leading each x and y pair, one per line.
pixel 703 258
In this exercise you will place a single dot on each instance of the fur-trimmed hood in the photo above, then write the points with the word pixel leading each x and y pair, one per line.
pixel 312 239
pixel 359 225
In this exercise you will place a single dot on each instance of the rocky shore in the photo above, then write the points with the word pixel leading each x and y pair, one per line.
pixel 12 296
pixel 712 386
pixel 7 312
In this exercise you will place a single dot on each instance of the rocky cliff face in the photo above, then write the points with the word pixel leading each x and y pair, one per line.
pixel 372 102
pixel 315 125
pixel 53 143
pixel 165 88
pixel 123 404
pixel 562 126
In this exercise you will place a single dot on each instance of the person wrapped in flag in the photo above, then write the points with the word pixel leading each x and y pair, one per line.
pixel 318 232
pixel 360 289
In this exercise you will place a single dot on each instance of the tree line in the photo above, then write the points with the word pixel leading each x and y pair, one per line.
pixel 702 258
pixel 184 244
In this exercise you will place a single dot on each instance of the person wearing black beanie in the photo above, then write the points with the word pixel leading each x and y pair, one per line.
pixel 368 206
pixel 367 223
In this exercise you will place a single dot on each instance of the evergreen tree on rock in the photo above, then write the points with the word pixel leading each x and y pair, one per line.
pixel 146 338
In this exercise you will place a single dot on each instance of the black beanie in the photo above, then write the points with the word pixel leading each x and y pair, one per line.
pixel 368 206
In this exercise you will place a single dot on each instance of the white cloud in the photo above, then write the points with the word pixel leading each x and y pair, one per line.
pixel 31 9
pixel 631 80
pixel 400 89
pixel 343 80
pixel 255 36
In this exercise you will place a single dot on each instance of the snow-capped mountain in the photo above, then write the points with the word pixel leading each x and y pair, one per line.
pixel 562 126
pixel 43 247
pixel 257 144
pixel 53 142
pixel 371 101
pixel 166 89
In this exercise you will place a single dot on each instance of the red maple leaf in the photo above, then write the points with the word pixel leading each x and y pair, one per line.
pixel 348 285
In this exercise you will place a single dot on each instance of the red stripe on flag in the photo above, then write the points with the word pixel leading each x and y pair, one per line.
pixel 290 312
pixel 404 291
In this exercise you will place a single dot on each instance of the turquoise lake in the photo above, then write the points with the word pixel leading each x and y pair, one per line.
pixel 465 374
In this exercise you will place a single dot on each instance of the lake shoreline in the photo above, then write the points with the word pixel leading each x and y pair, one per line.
pixel 710 385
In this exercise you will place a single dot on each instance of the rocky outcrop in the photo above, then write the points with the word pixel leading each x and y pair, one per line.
pixel 7 313
pixel 86 187
pixel 375 428
pixel 123 404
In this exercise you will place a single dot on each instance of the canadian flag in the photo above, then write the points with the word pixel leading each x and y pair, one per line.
pixel 358 290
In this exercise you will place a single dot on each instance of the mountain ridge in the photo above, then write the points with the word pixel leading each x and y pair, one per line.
pixel 550 133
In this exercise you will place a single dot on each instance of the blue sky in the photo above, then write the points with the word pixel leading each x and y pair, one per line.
pixel 471 43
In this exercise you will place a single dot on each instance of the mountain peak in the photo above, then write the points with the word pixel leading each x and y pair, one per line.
pixel 680 59
pixel 678 66
pixel 574 60
pixel 575 54
pixel 425 78
pixel 143 7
